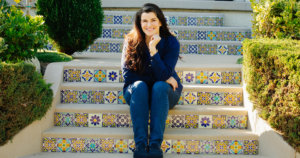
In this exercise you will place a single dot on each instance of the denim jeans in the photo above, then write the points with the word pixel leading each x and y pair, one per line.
pixel 154 101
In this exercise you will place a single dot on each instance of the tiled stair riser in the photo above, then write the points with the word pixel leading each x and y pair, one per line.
pixel 206 49
pixel 116 97
pixel 111 145
pixel 209 35
pixel 193 77
pixel 171 20
pixel 120 120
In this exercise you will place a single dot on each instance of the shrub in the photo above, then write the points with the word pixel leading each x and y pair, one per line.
pixel 276 18
pixel 3 46
pixel 72 24
pixel 24 97
pixel 48 57
pixel 272 73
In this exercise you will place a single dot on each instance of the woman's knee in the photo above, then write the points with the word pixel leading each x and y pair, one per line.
pixel 160 87
pixel 139 87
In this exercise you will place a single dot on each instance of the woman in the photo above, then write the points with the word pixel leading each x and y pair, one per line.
pixel 152 86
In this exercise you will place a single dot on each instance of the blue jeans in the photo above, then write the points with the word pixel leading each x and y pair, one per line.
pixel 156 101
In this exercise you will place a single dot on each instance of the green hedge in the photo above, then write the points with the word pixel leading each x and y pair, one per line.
pixel 24 97
pixel 272 72
pixel 48 57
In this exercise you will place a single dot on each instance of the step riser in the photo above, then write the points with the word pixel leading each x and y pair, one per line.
pixel 111 145
pixel 187 77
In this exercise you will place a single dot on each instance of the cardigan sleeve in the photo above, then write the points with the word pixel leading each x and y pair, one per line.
pixel 164 68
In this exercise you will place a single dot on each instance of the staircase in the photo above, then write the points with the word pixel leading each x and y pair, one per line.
pixel 92 119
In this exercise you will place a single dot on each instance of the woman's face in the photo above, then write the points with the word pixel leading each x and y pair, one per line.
pixel 150 24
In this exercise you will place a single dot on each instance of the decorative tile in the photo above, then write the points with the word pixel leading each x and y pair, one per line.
pixel 97 97
pixel 192 21
pixel 251 147
pixel 92 145
pixel 222 146
pixel 118 20
pixel 131 146
pixel 219 121
pixel 121 99
pixel 104 47
pixel 63 145
pixel 181 100
pixel 230 99
pixel 107 33
pixel 190 98
pixel 100 76
pixel 193 36
pixel 107 145
pixel 227 77
pixel 214 77
pixel 217 98
pixel 180 75
pixel 177 121
pixel 201 77
pixel 172 21
pixel 113 76
pixel 222 49
pixel 169 122
pixel 121 79
pixel 57 119
pixel 74 75
pixel 248 34
pixel 109 120
pixel 81 119
pixel 211 21
pixel 200 21
pixel 193 49
pixel 189 77
pixel 121 146
pixel 220 36
pixel 204 98
pixel 239 50
pixel 191 121
pixel 219 21
pixel 66 75
pixel 49 145
pixel 232 121
pixel 115 47
pixel 201 35
pixel 205 121
pixel 230 36
pixel 111 97
pixel 123 120
pixel 127 19
pixel 211 35
pixel 87 75
pixel 95 120
pixel 67 119
pixel 239 99
pixel 166 146
pixel 212 49
pixel 236 147
pixel 182 21
pixel 93 47
pixel 69 96
pixel 237 77
pixel 184 48
pixel 240 36
pixel 203 49
pixel 192 147
pixel 243 122
pixel 108 19
pixel 207 147
pixel 232 50
pixel 84 97
pixel 77 144
pixel 178 146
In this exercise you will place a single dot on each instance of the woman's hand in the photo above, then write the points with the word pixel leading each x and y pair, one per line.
pixel 152 44
pixel 172 82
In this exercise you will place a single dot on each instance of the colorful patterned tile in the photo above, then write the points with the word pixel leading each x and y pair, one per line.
pixel 166 146
pixel 192 21
pixel 239 99
pixel 201 77
pixel 107 145
pixel 203 49
pixel 57 119
pixel 205 121
pixel 95 120
pixel 109 120
pixel 121 79
pixel 69 96
pixel 169 122
pixel 93 47
pixel 77 144
pixel 207 147
pixel 232 50
pixel 236 147
pixel 121 146
pixel 113 75
pixel 181 99
pixel 217 98
pixel 200 21
pixel 222 50
pixel 211 35
pixel 193 35
pixel 230 99
pixel 237 77
pixel 220 36
pixel 182 21
pixel 214 77
pixel 212 49
pixel 243 122
pixel 84 97
pixel 177 121
pixel 121 99
pixel 201 35
pixel 123 120
pixel 66 75
pixel 192 49
pixel 67 119
pixel 251 147
pixel 172 21
pixel 49 145
pixel 104 47
pixel 222 146
pixel 178 146
pixel 233 122
pixel 131 146
pixel 204 98
pixel 118 19
pixel 230 36
pixel 239 36
pixel 107 33
pixel 111 97
pixel 190 98
pixel 248 34
pixel 127 19
pixel 189 77
pixel 191 121
pixel 100 76
pixel 115 47
pixel 92 145
pixel 219 121
pixel 63 145
pixel 184 48
pixel 219 21
pixel 97 97
pixel 74 75
pixel 81 119
pixel 227 77
pixel 192 147
pixel 87 75
pixel 180 75
pixel 108 19
pixel 239 50
pixel 211 21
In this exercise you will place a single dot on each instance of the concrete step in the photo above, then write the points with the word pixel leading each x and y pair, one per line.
pixel 180 141
pixel 105 45
pixel 173 18
pixel 112 93
pixel 114 115
pixel 187 32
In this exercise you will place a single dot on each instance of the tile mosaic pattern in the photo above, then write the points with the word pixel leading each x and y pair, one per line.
pixel 116 97
pixel 111 145
pixel 171 20
pixel 107 120
pixel 186 77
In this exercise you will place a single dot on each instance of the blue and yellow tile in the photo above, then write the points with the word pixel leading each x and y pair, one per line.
pixel 81 119
pixel 233 122
pixel 178 146
pixel 222 50
pixel 204 98
pixel 105 47
pixel 74 75
pixel 107 145
pixel 111 97
pixel 201 35
pixel 108 19
pixel 100 75
pixel 177 121
pixel 166 146
pixel 109 120
pixel 189 77
pixel 92 145
pixel 193 35
pixel 106 33
pixel 230 36
pixel 192 21
pixel 190 98
pixel 239 50
pixel 113 75
pixel 220 35
pixel 207 147
pixel 182 21
pixel 87 75
pixel 201 77
pixel 121 99
pixel 184 48
pixel 203 49
pixel 127 19
pixel 211 35
pixel 123 120
pixel 200 21
pixel 219 121
pixel 57 119
pixel 95 120
pixel 214 77
pixel 192 147
pixel 77 144
pixel 212 49
pixel 84 97
pixel 121 146
pixel 118 19
pixel 49 145
pixel 236 147
pixel 222 147
pixel 63 145
pixel 232 50
pixel 230 99
pixel 227 77
pixel 239 36
pixel 217 98
pixel 205 121
pixel 131 145
pixel 191 121
pixel 251 147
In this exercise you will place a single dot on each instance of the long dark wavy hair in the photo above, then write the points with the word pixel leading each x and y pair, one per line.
pixel 135 53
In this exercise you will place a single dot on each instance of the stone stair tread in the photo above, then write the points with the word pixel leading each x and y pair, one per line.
pixel 178 110
pixel 127 133
pixel 118 155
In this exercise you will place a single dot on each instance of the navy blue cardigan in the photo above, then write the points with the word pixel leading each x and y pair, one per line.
pixel 159 67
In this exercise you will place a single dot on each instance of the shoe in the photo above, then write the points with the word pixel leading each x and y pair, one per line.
pixel 155 151
pixel 140 151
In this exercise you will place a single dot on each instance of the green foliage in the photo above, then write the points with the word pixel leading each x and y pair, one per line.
pixel 3 46
pixel 272 72
pixel 48 57
pixel 276 18
pixel 24 97
pixel 23 35
pixel 72 24
pixel 240 60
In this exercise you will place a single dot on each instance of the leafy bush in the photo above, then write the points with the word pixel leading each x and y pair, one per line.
pixel 3 46
pixel 276 18
pixel 53 57
pixel 272 73
pixel 72 24
pixel 24 97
